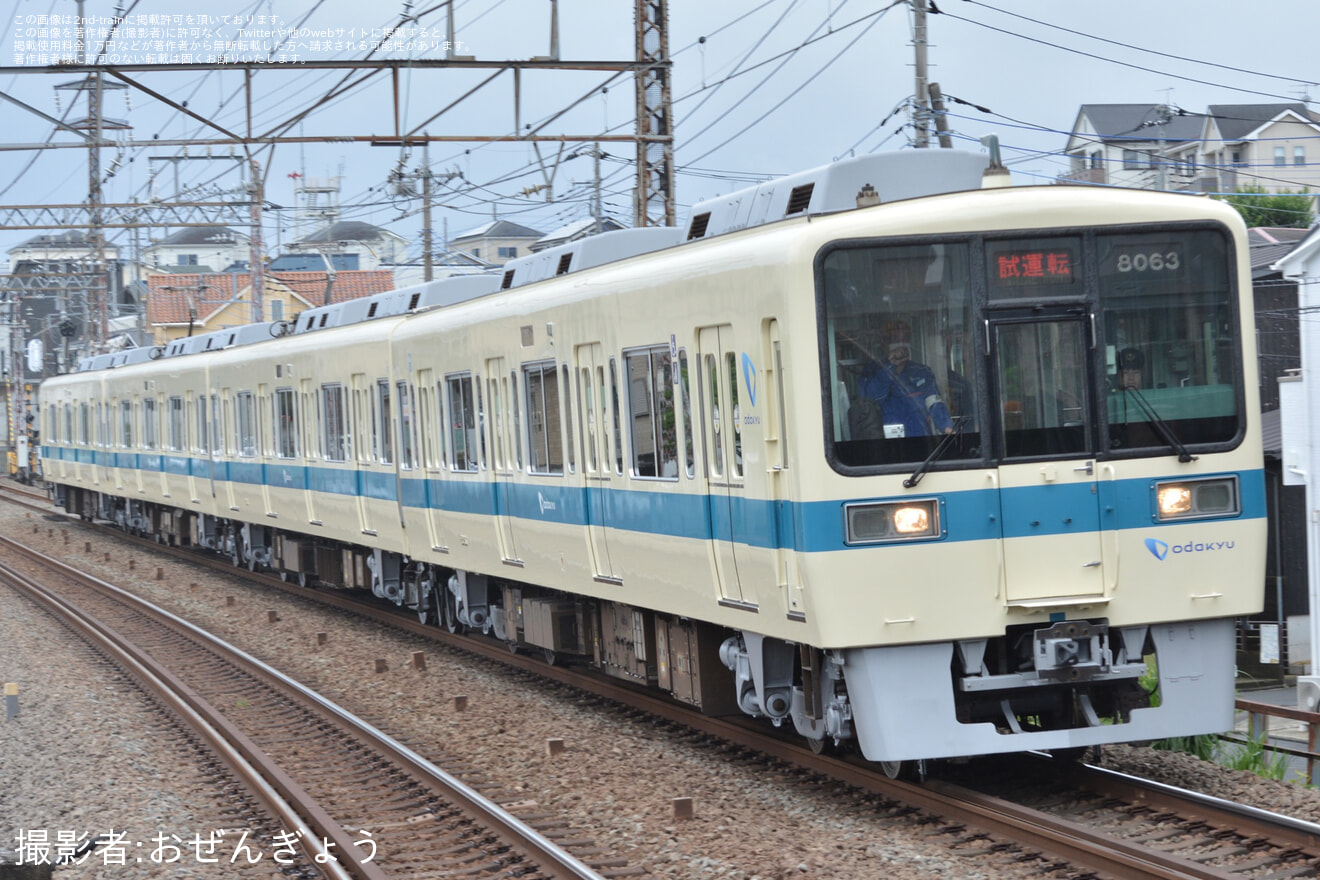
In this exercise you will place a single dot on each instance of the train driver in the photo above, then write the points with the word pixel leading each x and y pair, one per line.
pixel 1131 363
pixel 904 390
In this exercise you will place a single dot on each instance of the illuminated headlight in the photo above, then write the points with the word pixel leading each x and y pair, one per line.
pixel 1193 499
pixel 892 521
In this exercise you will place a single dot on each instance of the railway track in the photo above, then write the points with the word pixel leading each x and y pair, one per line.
pixel 359 804
pixel 1090 824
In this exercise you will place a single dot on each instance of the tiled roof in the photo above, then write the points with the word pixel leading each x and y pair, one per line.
pixel 204 235
pixel 355 284
pixel 498 229
pixel 1141 122
pixel 350 230
pixel 169 296
pixel 1236 121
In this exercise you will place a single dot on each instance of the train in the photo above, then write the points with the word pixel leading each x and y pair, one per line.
pixel 921 463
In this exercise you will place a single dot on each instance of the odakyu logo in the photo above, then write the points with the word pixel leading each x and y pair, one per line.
pixel 1160 550
pixel 749 377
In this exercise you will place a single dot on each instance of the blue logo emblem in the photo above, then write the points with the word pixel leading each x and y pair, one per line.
pixel 749 377
pixel 1158 549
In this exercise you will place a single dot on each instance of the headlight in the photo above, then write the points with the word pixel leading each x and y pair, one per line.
pixel 892 521
pixel 1197 499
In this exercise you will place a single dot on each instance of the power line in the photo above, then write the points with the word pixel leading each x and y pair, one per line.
pixel 1148 51
pixel 1113 60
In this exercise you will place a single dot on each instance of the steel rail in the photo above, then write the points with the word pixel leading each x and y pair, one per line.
pixel 548 856
pixel 194 711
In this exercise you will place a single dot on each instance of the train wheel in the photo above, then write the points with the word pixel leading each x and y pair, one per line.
pixel 451 614
pixel 284 575
pixel 550 657
pixel 304 579
pixel 907 771
pixel 819 746
pixel 427 612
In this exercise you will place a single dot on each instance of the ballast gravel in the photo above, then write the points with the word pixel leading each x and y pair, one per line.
pixel 88 754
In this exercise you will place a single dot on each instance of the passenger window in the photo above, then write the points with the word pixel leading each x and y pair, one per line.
pixel 149 428
pixel 517 418
pixel 463 423
pixel 567 399
pixel 712 377
pixel 653 429
pixel 614 407
pixel 588 417
pixel 246 424
pixel 384 448
pixel 176 424
pixel 334 440
pixel 126 424
pixel 406 452
pixel 286 424
pixel 544 425
pixel 688 429
pixel 731 373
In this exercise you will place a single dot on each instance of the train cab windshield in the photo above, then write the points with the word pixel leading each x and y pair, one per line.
pixel 1090 343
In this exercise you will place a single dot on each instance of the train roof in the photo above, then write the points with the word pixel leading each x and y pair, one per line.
pixel 839 186
pixel 851 183
pixel 445 292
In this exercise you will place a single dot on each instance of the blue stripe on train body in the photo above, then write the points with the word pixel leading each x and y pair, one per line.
pixel 804 526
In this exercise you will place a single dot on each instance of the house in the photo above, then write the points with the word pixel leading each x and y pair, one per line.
pixel 1132 145
pixel 575 231
pixel 445 263
pixel 1264 145
pixel 189 305
pixel 1154 146
pixel 353 244
pixel 199 249
pixel 497 241
pixel 60 247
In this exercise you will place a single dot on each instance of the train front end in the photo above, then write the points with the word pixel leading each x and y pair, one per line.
pixel 1042 502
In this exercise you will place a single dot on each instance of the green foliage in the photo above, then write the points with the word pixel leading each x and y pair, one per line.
pixel 1295 208
pixel 1203 746
pixel 1252 756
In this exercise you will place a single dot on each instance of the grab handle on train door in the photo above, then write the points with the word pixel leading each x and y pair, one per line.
pixel 1110 476
pixel 999 545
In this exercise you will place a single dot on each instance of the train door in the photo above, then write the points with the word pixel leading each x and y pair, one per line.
pixel 361 451
pixel 312 448
pixel 594 402
pixel 717 394
pixel 213 432
pixel 505 452
pixel 1049 493
pixel 432 431
pixel 774 423
pixel 259 404
pixel 232 444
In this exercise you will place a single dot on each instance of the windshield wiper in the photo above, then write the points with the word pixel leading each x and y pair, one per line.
pixel 1161 427
pixel 945 442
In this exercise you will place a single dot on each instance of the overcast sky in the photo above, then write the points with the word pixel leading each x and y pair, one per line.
pixel 776 86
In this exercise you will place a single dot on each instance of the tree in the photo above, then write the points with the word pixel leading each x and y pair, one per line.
pixel 1295 208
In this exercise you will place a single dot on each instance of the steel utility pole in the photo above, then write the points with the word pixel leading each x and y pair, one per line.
pixel 427 258
pixel 653 201
pixel 258 269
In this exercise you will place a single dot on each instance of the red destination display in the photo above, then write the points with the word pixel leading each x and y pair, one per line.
pixel 1034 267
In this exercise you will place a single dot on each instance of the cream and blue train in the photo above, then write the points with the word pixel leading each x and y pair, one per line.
pixel 688 457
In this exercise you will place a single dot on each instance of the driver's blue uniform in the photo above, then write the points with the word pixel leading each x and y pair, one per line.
pixel 911 399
